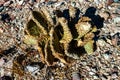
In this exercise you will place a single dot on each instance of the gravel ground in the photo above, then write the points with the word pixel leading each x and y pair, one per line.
pixel 103 64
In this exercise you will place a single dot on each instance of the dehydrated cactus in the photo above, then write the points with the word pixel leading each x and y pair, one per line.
pixel 57 41
pixel 72 11
pixel 67 36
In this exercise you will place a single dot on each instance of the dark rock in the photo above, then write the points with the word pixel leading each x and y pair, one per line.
pixel 1 8
pixel 6 78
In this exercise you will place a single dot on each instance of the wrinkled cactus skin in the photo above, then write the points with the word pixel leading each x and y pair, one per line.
pixel 57 40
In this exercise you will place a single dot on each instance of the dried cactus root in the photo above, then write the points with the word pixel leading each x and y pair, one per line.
pixel 17 68
pixel 18 65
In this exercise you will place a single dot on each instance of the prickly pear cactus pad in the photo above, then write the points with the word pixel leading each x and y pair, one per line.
pixel 59 38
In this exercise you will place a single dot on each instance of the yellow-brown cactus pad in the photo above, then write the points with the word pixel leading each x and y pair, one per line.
pixel 83 26
pixel 89 47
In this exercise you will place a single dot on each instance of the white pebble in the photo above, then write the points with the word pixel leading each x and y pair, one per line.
pixel 91 73
pixel 1 62
pixel 32 68
pixel 2 72
pixel 20 2
pixel 101 42
pixel 81 1
pixel 106 56
pixel 75 76
pixel 114 76
pixel 1 30
pixel 95 77
pixel 116 20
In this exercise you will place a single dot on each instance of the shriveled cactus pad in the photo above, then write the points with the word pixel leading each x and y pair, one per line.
pixel 59 38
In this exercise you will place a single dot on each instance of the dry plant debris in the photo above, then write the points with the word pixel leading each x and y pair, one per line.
pixel 56 40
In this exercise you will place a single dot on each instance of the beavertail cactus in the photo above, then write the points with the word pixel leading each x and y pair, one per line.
pixel 57 40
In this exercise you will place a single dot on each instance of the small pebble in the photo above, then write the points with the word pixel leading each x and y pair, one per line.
pixel 118 11
pixel 114 40
pixel 5 17
pixel 81 1
pixel 101 42
pixel 1 62
pixel 95 77
pixel 116 0
pixel 116 20
pixel 75 76
pixel 97 1
pixel 100 6
pixel 7 3
pixel 1 30
pixel 32 68
pixel 90 0
pixel 106 56
pixel 105 15
pixel 114 76
pixel 6 78
pixel 109 2
pixel 1 8
pixel 41 1
pixel 91 73
pixel 20 2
